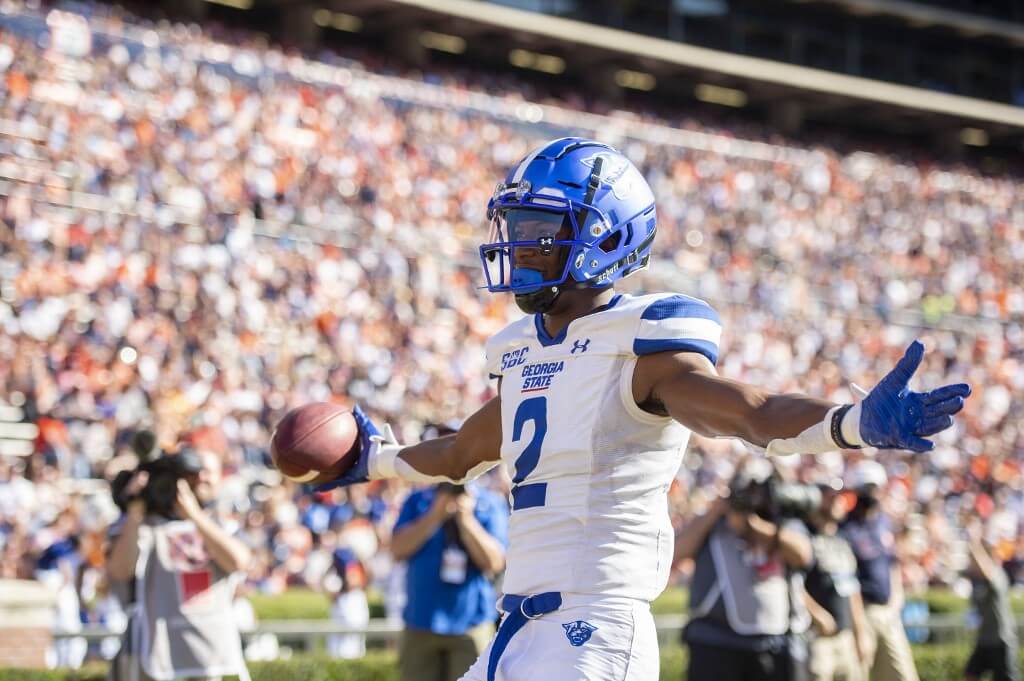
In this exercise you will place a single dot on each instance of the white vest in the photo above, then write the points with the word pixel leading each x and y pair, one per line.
pixel 590 469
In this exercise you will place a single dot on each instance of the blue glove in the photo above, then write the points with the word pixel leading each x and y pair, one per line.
pixel 894 417
pixel 360 471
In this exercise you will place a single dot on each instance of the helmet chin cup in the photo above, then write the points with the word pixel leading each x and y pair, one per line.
pixel 539 301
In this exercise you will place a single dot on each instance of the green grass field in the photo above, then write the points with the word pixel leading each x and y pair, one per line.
pixel 943 662
pixel 300 604
pixel 934 663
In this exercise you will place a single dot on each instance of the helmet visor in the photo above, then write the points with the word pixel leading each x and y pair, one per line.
pixel 543 232
pixel 515 225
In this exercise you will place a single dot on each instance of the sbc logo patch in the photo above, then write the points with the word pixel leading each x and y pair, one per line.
pixel 578 632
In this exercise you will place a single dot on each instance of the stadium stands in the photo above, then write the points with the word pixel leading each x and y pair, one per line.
pixel 205 235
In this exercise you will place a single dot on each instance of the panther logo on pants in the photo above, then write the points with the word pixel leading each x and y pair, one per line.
pixel 578 632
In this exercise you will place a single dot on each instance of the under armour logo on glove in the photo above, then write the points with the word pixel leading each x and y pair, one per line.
pixel 895 417
pixel 578 632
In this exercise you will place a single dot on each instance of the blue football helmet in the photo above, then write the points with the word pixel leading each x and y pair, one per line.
pixel 577 194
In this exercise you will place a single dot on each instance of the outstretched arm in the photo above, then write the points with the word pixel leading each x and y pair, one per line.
pixel 686 386
pixel 456 458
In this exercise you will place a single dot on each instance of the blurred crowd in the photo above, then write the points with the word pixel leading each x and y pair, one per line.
pixel 197 237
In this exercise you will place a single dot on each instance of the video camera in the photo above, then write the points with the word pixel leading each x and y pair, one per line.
pixel 451 488
pixel 771 498
pixel 164 470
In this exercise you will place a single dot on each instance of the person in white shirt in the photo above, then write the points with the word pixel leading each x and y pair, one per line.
pixel 346 581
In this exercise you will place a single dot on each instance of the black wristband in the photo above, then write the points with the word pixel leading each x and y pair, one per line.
pixel 836 428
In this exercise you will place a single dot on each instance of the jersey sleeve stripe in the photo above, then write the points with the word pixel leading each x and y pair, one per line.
pixel 679 306
pixel 679 327
pixel 703 347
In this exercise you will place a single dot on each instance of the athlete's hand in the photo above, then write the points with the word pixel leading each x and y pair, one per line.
pixel 369 436
pixel 894 417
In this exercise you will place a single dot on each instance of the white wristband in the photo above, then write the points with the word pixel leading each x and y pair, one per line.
pixel 384 462
pixel 383 455
pixel 815 440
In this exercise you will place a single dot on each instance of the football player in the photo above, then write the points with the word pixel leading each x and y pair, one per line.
pixel 598 393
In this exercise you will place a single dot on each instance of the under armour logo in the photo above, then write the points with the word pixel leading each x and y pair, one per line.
pixel 582 347
pixel 578 632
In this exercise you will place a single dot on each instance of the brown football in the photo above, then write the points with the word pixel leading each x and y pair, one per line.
pixel 315 443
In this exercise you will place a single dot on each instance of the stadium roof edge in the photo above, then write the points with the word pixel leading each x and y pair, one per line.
pixel 736 65
pixel 911 11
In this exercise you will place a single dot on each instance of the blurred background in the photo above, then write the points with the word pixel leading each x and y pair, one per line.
pixel 212 212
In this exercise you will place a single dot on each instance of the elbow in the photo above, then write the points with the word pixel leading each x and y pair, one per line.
pixel 400 549
pixel 497 565
pixel 493 568
pixel 241 557
pixel 684 550
pixel 230 553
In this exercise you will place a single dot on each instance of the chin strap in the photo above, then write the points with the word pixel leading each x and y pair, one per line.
pixel 538 302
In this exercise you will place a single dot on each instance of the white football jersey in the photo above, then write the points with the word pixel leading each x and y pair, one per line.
pixel 590 469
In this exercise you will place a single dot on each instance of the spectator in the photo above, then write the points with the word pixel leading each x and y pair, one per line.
pixel 58 568
pixel 833 595
pixel 867 530
pixel 996 649
pixel 346 583
pixel 453 538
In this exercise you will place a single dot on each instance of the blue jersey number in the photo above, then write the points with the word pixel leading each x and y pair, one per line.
pixel 527 496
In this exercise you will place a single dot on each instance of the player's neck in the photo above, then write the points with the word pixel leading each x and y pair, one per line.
pixel 573 305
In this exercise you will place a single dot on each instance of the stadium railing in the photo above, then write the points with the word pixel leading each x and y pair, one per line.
pixel 311 633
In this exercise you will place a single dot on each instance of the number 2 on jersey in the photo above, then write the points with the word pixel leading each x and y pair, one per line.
pixel 527 496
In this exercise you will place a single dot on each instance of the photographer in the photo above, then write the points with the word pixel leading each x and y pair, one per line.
pixel 453 538
pixel 833 595
pixel 747 618
pixel 997 646
pixel 176 569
